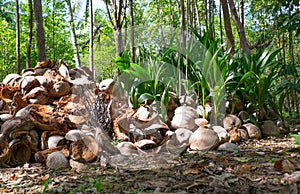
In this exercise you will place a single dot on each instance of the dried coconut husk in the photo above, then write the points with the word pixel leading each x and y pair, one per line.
pixel 74 135
pixel 5 117
pixel 85 149
pixel 15 125
pixel 21 152
pixel 60 89
pixel 153 129
pixel 11 78
pixel 17 103
pixel 231 122
pixel 45 64
pixel 44 81
pixel 184 118
pixel 27 83
pixel 41 156
pixel 28 71
pixel 53 76
pixel 35 92
pixel 127 148
pixel 7 92
pixel 145 144
pixel 55 140
pixel 64 70
pixel 46 119
pixel 80 72
pixel 204 139
pixel 71 104
pixel 40 99
pixel 4 154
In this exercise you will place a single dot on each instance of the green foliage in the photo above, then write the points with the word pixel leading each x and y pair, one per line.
pixel 45 183
pixel 93 186
pixel 7 49
pixel 252 76
pixel 201 64
pixel 146 84
pixel 297 138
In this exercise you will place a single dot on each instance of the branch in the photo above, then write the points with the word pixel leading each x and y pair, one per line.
pixel 256 45
pixel 119 12
pixel 124 14
pixel 108 12
pixel 84 44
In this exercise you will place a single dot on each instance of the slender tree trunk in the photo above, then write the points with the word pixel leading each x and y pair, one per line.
pixel 91 52
pixel 171 17
pixel 119 41
pixel 240 28
pixel 18 37
pixel 211 18
pixel 30 34
pixel 117 19
pixel 241 11
pixel 294 94
pixel 221 26
pixel 53 30
pixel 228 28
pixel 206 15
pixel 194 14
pixel 287 102
pixel 130 2
pixel 40 37
pixel 73 34
pixel 198 17
pixel 182 24
pixel 188 24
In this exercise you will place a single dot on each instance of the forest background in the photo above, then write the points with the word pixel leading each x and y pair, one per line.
pixel 86 33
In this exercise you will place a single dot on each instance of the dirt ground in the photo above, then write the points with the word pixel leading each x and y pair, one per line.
pixel 261 166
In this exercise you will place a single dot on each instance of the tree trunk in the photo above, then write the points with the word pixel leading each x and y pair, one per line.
pixel 182 24
pixel 18 37
pixel 30 34
pixel 228 29
pixel 221 26
pixel 198 17
pixel 211 18
pixel 117 22
pixel 241 11
pixel 91 52
pixel 295 103
pixel 240 28
pixel 53 31
pixel 73 34
pixel 131 30
pixel 40 37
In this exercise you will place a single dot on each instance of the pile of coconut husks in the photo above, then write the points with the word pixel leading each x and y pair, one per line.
pixel 59 116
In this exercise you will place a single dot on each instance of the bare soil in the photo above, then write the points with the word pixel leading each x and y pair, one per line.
pixel 259 167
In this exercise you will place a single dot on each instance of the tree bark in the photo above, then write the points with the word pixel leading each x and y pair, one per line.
pixel 18 38
pixel 40 37
pixel 295 103
pixel 91 52
pixel 240 28
pixel 73 34
pixel 228 28
pixel 30 34
pixel 241 11
pixel 118 12
pixel 211 18
pixel 182 24
pixel 221 26
pixel 198 17
pixel 130 2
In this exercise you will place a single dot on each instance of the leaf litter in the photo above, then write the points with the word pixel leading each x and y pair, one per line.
pixel 259 167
